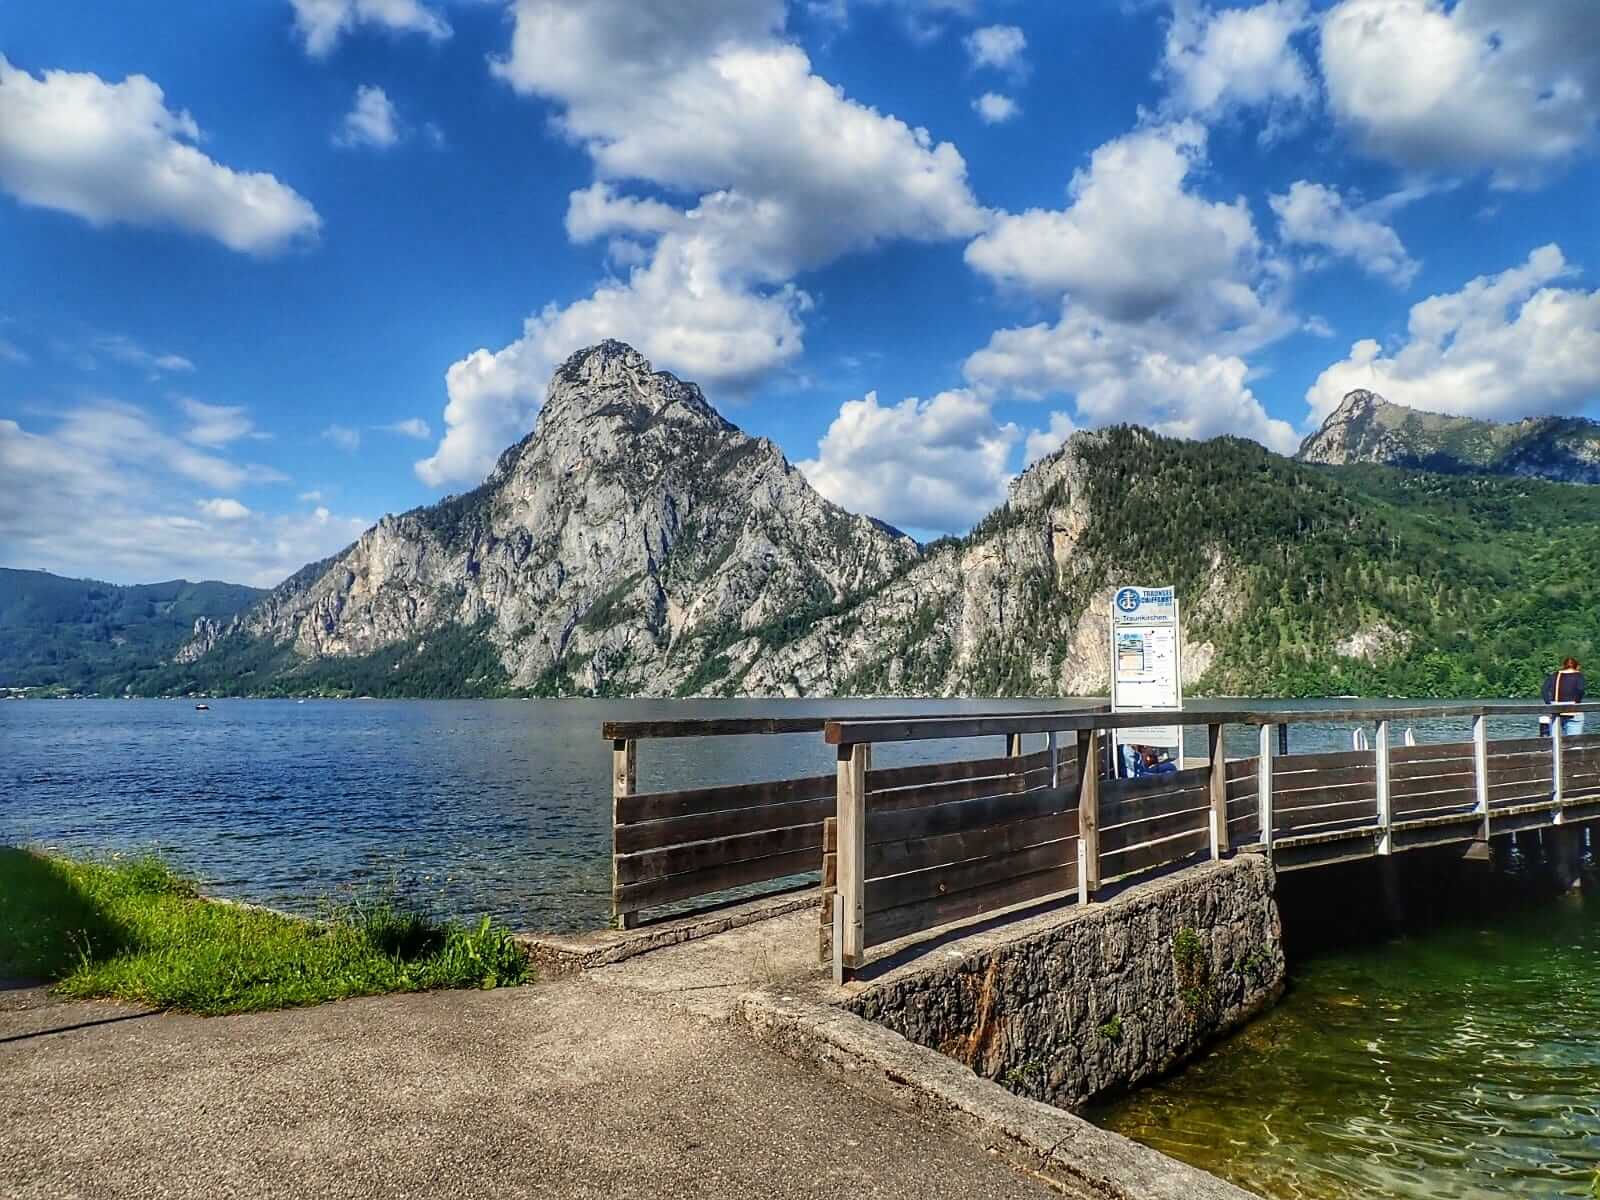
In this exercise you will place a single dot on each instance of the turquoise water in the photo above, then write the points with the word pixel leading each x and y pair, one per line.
pixel 1461 1062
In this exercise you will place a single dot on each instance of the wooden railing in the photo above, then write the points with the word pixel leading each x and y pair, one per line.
pixel 699 844
pixel 916 848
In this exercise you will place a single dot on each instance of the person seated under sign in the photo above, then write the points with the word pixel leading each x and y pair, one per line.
pixel 1146 760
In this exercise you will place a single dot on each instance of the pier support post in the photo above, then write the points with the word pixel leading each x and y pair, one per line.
pixel 1264 787
pixel 1219 791
pixel 849 902
pixel 1088 814
pixel 1479 850
pixel 1394 907
pixel 624 782
pixel 1563 848
pixel 1557 783
pixel 1385 805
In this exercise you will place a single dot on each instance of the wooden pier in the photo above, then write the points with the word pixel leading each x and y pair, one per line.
pixel 902 850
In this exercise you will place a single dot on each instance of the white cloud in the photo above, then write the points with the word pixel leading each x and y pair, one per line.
pixel 1506 85
pixel 322 23
pixel 343 436
pixel 371 121
pixel 155 504
pixel 411 427
pixel 995 109
pixel 1504 346
pixel 1135 243
pixel 223 508
pixel 1162 291
pixel 311 497
pixel 790 174
pixel 12 353
pixel 126 350
pixel 1042 442
pixel 115 153
pixel 1119 372
pixel 1311 214
pixel 1219 60
pixel 926 465
pixel 216 424
pixel 997 47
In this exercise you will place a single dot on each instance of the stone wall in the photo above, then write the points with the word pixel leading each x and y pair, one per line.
pixel 1085 1002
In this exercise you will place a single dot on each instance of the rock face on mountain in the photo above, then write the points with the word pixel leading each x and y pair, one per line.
pixel 632 533
pixel 1018 607
pixel 1366 428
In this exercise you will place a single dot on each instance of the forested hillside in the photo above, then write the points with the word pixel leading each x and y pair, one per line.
pixel 82 635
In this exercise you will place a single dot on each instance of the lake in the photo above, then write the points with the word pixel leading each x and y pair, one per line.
pixel 467 806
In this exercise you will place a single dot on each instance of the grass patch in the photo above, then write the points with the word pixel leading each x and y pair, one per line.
pixel 133 929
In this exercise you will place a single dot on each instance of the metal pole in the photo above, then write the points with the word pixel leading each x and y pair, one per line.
pixel 1385 806
pixel 1264 788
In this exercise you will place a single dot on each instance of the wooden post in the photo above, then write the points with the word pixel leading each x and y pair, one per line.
pixel 1385 805
pixel 1264 788
pixel 1219 791
pixel 849 928
pixel 1480 779
pixel 1283 739
pixel 1088 814
pixel 1557 784
pixel 1050 744
pixel 830 889
pixel 624 782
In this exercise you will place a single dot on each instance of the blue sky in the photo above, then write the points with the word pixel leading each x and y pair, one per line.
pixel 274 268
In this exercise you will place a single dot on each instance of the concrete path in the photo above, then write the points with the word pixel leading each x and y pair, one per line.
pixel 618 1084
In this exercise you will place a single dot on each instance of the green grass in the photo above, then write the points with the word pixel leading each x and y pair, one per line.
pixel 133 929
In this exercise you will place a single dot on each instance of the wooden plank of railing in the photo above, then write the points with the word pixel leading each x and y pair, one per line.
pixel 710 727
pixel 916 853
pixel 929 821
pixel 1121 863
pixel 662 806
pixel 672 888
pixel 1088 814
pixel 941 910
pixel 624 779
pixel 923 774
pixel 1195 816
pixel 912 887
pixel 1429 751
pixel 652 835
pixel 849 932
pixel 681 858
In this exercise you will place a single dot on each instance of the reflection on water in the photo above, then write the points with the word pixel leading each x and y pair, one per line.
pixel 1460 1062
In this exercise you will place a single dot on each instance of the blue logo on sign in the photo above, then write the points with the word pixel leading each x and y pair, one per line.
pixel 1128 600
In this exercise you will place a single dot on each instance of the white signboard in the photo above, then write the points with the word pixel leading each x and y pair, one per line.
pixel 1146 659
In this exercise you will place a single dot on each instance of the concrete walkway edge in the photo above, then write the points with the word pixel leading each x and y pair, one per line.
pixel 1090 1162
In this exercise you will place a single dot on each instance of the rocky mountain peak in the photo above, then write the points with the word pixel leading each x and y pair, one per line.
pixel 613 379
pixel 1366 428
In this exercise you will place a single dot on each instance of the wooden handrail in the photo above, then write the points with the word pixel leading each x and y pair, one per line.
pixel 924 728
pixel 613 731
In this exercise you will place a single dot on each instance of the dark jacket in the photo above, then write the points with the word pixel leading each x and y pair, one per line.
pixel 1571 687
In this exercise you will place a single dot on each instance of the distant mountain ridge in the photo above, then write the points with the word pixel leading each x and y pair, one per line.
pixel 81 634
pixel 1366 428
pixel 637 543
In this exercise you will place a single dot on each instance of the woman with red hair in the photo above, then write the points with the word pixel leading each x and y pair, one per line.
pixel 1564 687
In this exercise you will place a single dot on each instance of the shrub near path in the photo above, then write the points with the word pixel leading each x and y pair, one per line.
pixel 132 929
